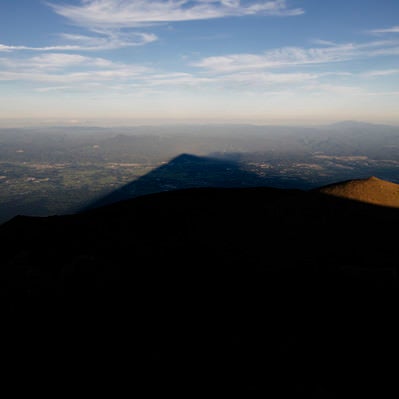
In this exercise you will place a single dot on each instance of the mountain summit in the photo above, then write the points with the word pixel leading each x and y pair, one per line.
pixel 370 190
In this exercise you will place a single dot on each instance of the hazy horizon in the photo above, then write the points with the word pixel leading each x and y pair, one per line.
pixel 203 61
pixel 134 123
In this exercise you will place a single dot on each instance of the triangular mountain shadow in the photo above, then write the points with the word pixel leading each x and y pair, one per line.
pixel 182 172
pixel 191 171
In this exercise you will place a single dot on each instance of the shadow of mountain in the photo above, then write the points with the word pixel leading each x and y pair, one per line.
pixel 191 171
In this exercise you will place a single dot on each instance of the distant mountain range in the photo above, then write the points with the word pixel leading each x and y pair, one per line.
pixel 248 291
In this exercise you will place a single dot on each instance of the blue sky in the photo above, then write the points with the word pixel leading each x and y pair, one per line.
pixel 257 61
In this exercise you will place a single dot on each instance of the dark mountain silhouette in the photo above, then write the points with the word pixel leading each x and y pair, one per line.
pixel 245 291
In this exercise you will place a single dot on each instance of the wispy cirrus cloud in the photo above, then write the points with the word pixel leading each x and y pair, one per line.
pixel 234 80
pixel 52 88
pixel 296 56
pixel 63 71
pixel 250 72
pixel 69 77
pixel 102 41
pixel 109 40
pixel 62 61
pixel 393 29
pixel 128 14
pixel 381 72
pixel 66 68
pixel 57 61
pixel 9 48
pixel 114 24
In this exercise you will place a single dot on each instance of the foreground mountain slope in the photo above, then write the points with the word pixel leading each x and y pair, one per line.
pixel 237 291
pixel 370 190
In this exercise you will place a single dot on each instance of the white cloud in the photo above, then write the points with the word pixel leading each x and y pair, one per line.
pixel 111 22
pixel 73 77
pixel 66 68
pixel 52 88
pixel 103 41
pixel 266 78
pixel 383 93
pixel 65 71
pixel 393 29
pixel 334 89
pixel 174 79
pixel 382 72
pixel 61 61
pixel 122 13
pixel 9 48
pixel 55 61
pixel 109 40
pixel 248 82
pixel 294 56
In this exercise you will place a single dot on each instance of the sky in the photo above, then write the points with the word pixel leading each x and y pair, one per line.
pixel 252 61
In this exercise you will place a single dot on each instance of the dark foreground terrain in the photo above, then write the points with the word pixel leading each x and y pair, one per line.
pixel 234 292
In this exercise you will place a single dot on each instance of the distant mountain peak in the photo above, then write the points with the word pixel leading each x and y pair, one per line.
pixel 371 190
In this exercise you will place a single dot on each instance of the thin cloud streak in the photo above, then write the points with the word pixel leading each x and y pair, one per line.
pixel 62 61
pixel 113 23
pixel 383 72
pixel 107 41
pixel 121 13
pixel 52 88
pixel 75 77
pixel 295 56
pixel 66 68
pixel 72 69
pixel 255 80
pixel 393 29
